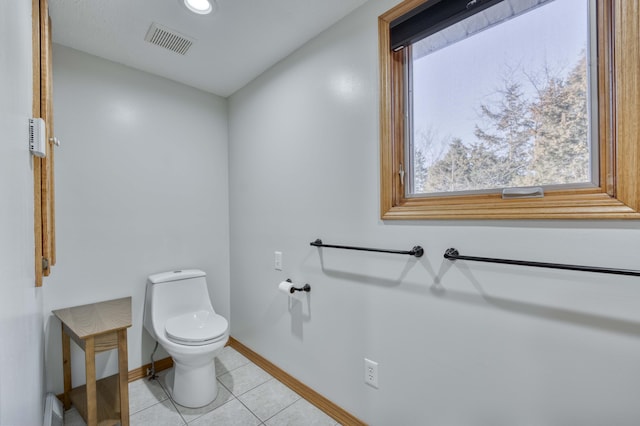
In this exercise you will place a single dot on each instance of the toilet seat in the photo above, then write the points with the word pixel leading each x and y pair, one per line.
pixel 196 328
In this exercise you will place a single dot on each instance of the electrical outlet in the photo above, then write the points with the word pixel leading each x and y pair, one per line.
pixel 277 263
pixel 371 373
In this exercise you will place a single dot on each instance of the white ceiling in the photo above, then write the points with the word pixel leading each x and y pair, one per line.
pixel 233 46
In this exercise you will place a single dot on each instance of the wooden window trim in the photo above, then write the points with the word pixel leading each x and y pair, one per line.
pixel 43 175
pixel 617 197
pixel 46 110
pixel 37 169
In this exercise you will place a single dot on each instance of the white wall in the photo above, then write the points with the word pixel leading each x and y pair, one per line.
pixel 21 334
pixel 457 344
pixel 141 187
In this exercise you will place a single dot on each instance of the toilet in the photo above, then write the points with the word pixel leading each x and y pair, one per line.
pixel 179 316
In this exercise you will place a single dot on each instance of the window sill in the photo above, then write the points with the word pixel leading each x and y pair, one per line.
pixel 562 205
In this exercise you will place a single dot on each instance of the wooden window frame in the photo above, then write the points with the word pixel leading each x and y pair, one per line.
pixel 618 194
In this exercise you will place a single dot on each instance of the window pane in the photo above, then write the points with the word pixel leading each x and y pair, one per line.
pixel 502 99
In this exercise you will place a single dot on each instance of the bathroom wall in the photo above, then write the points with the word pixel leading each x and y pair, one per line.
pixel 21 332
pixel 141 187
pixel 457 343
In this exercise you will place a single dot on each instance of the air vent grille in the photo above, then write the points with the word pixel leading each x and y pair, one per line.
pixel 168 38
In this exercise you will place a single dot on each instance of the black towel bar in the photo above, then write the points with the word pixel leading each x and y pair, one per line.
pixel 416 251
pixel 452 254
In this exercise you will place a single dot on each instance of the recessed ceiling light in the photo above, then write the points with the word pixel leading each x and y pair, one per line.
pixel 201 7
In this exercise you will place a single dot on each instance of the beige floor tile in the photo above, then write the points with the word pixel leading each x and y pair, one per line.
pixel 144 393
pixel 229 359
pixel 232 413
pixel 190 414
pixel 301 413
pixel 243 379
pixel 161 414
pixel 268 399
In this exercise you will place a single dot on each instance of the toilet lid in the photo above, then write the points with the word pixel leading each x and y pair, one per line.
pixel 195 328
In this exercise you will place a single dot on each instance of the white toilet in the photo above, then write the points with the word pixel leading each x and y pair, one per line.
pixel 179 315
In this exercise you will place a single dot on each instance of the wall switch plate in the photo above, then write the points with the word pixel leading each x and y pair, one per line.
pixel 277 263
pixel 371 373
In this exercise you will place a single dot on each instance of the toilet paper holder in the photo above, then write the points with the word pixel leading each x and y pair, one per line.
pixel 305 287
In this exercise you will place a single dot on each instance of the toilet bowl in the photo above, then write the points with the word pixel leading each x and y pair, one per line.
pixel 179 316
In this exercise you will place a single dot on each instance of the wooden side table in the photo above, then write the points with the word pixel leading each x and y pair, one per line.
pixel 97 327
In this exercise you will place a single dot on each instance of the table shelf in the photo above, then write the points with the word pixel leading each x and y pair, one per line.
pixel 97 327
pixel 107 400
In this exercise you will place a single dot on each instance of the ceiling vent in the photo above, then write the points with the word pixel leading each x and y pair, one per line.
pixel 168 38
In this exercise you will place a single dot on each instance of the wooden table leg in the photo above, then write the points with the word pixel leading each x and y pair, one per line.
pixel 66 368
pixel 90 368
pixel 123 377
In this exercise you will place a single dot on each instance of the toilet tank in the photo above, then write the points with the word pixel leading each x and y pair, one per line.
pixel 174 293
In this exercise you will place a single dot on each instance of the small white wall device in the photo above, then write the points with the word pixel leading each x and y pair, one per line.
pixel 37 137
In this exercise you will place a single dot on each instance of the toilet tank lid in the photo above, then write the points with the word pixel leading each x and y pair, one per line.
pixel 178 275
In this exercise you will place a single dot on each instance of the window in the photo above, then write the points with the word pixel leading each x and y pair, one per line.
pixel 507 109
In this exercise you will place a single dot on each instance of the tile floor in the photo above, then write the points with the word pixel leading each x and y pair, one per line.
pixel 247 396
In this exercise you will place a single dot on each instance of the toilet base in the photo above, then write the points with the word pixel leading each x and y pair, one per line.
pixel 192 387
